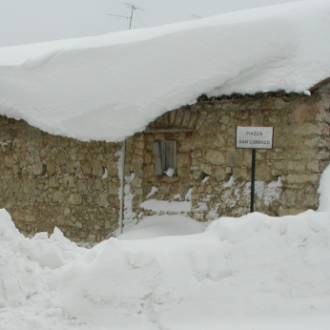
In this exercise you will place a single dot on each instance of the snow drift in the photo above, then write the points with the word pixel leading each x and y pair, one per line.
pixel 252 267
pixel 253 272
pixel 111 86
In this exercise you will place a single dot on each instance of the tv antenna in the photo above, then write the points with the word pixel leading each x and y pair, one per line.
pixel 132 9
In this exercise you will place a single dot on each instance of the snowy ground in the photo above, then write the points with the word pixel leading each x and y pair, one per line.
pixel 164 225
pixel 255 272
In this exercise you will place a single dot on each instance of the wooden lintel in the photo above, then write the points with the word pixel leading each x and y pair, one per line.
pixel 168 130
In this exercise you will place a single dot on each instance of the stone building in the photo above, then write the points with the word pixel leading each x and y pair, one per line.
pixel 183 162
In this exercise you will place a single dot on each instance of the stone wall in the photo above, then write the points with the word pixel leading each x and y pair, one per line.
pixel 49 181
pixel 216 176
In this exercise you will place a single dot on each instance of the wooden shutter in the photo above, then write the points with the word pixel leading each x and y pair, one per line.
pixel 157 148
pixel 162 149
pixel 164 156
pixel 170 154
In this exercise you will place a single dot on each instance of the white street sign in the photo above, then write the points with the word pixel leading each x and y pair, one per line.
pixel 254 137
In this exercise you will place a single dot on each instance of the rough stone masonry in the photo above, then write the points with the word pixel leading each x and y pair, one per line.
pixel 49 181
pixel 215 176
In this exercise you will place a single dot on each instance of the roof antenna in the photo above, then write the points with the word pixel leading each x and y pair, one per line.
pixel 130 17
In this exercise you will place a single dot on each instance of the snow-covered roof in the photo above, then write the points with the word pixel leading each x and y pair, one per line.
pixel 110 86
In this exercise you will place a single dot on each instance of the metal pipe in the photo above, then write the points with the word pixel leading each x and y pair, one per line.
pixel 122 188
pixel 253 179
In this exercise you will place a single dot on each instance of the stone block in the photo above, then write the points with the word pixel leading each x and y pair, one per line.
pixel 102 200
pixel 183 160
pixel 323 154
pixel 51 168
pixel 183 172
pixel 301 178
pixel 196 154
pixel 58 197
pixel 219 140
pixel 206 168
pixel 234 158
pixel 214 157
pixel 220 174
pixel 295 166
pixel 75 199
pixel 185 145
pixel 37 169
pixel 263 172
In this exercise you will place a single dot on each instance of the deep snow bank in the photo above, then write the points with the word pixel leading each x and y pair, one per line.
pixel 24 262
pixel 255 266
pixel 237 273
pixel 111 86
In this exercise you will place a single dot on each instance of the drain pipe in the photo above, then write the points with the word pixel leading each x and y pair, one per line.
pixel 122 187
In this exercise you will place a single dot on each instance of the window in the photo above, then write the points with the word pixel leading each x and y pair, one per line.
pixel 165 157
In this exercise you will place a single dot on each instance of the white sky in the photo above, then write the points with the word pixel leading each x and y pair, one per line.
pixel 27 21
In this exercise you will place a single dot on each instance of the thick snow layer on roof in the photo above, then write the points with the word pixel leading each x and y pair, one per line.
pixel 111 86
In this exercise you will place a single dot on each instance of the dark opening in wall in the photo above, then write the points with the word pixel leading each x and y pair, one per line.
pixel 165 157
